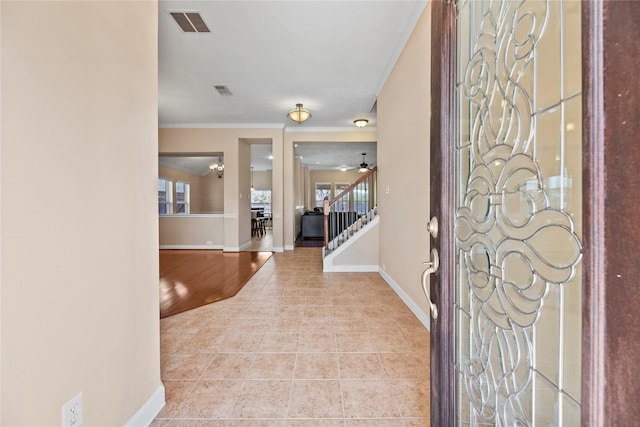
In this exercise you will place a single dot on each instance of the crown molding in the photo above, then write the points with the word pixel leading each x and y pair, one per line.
pixel 330 129
pixel 222 126
pixel 286 128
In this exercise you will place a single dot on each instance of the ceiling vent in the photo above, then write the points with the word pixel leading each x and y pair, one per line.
pixel 223 90
pixel 190 22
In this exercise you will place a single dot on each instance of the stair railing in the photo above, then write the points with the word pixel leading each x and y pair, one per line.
pixel 350 210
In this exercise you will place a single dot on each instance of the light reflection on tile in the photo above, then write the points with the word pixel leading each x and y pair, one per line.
pixel 297 348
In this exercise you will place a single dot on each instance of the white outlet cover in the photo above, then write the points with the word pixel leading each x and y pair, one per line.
pixel 72 412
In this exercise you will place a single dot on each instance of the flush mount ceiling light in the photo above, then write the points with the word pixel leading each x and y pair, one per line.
pixel 217 167
pixel 299 114
pixel 361 122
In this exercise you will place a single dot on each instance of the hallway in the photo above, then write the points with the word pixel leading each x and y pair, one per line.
pixel 262 243
pixel 297 347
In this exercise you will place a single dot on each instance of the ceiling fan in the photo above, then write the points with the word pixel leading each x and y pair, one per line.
pixel 364 166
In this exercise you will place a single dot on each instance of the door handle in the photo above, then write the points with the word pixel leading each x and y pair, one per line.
pixel 432 227
pixel 432 267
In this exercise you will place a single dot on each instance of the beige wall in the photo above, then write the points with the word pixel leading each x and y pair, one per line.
pixel 80 309
pixel 192 231
pixel 308 192
pixel 262 180
pixel 403 162
pixel 212 194
pixel 237 173
pixel 298 182
pixel 244 189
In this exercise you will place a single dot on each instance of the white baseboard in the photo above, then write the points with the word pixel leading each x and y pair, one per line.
pixel 289 247
pixel 149 410
pixel 350 268
pixel 277 249
pixel 237 248
pixel 421 315
pixel 191 247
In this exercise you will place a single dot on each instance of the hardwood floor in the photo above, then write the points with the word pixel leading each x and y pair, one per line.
pixel 262 243
pixel 192 278
pixel 310 243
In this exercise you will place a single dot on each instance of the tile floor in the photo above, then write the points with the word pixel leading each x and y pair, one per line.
pixel 297 347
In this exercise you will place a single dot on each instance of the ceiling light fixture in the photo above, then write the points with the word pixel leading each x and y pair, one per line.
pixel 218 167
pixel 299 114
pixel 361 122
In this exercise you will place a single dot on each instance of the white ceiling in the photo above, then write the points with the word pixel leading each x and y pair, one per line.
pixel 331 56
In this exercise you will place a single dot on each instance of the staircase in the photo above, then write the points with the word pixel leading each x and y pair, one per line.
pixel 349 216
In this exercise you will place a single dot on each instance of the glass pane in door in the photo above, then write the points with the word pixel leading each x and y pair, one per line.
pixel 518 213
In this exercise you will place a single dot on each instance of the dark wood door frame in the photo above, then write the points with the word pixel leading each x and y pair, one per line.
pixel 442 202
pixel 611 211
pixel 611 217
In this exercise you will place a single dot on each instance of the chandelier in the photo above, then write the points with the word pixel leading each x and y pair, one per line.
pixel 218 168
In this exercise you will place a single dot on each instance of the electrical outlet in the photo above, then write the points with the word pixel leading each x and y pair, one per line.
pixel 72 412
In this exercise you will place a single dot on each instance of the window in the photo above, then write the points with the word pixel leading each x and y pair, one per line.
pixel 361 199
pixel 341 205
pixel 183 197
pixel 261 199
pixel 165 196
pixel 323 189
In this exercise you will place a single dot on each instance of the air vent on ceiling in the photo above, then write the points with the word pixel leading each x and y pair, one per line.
pixel 223 90
pixel 190 22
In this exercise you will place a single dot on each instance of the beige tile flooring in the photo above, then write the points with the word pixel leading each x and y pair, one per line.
pixel 297 347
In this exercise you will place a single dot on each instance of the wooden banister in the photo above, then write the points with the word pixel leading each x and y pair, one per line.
pixel 342 226
pixel 352 186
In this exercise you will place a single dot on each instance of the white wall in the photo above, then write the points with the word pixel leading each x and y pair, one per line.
pixel 79 296
pixel 359 253
pixel 403 163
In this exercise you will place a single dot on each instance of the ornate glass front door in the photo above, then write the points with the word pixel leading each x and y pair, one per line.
pixel 517 302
